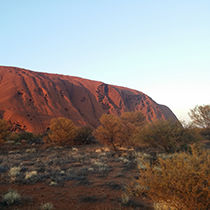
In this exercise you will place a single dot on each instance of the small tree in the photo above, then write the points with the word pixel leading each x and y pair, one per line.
pixel 119 130
pixel 4 129
pixel 109 132
pixel 200 116
pixel 62 130
pixel 131 122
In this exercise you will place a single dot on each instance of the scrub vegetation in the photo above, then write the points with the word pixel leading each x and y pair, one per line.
pixel 163 162
pixel 178 182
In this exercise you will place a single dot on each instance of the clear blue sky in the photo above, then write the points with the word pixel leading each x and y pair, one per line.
pixel 160 47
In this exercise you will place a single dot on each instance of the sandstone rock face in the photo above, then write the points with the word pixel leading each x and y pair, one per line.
pixel 31 99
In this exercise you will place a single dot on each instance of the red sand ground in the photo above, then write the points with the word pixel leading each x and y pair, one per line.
pixel 69 197
pixel 101 192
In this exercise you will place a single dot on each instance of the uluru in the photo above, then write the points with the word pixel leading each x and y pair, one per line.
pixel 29 100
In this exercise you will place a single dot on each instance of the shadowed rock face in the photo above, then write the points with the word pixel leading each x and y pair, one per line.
pixel 31 99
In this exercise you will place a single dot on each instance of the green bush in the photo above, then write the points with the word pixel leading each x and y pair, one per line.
pixel 166 136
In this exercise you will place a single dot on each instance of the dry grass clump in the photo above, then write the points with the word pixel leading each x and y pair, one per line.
pixel 180 182
pixel 125 198
pixel 11 197
pixel 47 206
pixel 30 174
pixel 14 172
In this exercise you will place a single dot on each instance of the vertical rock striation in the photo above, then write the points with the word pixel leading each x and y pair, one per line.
pixel 31 99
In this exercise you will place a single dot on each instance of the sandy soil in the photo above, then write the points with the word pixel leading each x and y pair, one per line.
pixel 87 177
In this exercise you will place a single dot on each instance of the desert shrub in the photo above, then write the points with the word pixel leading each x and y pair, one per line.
pixel 46 206
pixel 165 136
pixel 125 198
pixel 119 131
pixel 84 136
pixel 46 139
pixel 29 137
pixel 200 116
pixel 131 122
pixel 180 182
pixel 26 136
pixel 62 131
pixel 11 197
pixel 135 118
pixel 14 136
pixel 205 133
pixel 30 174
pixel 14 171
pixel 110 130
pixel 4 129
